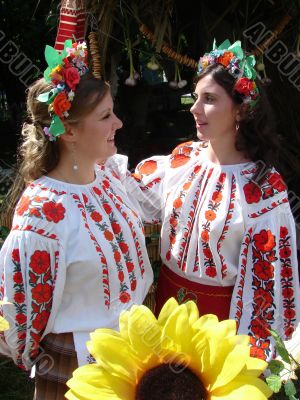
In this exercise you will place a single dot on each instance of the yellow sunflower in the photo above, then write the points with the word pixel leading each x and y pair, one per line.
pixel 3 323
pixel 177 356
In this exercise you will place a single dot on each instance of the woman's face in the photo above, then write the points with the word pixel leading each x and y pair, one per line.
pixel 214 111
pixel 95 133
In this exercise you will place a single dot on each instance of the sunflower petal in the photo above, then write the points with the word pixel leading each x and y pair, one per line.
pixel 232 365
pixel 144 332
pixel 177 323
pixel 92 382
pixel 243 388
pixel 205 322
pixel 167 310
pixel 254 367
pixel 4 325
pixel 113 352
pixel 123 324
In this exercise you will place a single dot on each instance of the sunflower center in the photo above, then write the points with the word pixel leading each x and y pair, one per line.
pixel 170 382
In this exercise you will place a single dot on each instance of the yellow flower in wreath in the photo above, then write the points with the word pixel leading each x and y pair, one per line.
pixel 177 356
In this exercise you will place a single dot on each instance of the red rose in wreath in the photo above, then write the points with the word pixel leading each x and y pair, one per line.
pixel 71 76
pixel 252 193
pixel 61 104
pixel 244 86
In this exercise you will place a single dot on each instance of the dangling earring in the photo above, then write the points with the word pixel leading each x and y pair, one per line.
pixel 237 126
pixel 75 165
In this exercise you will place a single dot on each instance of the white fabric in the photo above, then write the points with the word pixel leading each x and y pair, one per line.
pixel 65 239
pixel 220 229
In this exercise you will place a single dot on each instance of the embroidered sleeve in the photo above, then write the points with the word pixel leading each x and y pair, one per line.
pixel 29 268
pixel 267 293
pixel 144 187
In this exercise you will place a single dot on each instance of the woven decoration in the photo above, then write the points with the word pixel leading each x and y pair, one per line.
pixel 277 31
pixel 71 22
pixel 95 55
pixel 181 59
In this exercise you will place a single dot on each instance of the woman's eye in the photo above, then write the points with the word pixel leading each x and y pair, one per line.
pixel 194 96
pixel 106 116
pixel 209 98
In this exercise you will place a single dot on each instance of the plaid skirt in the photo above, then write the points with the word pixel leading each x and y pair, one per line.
pixel 56 364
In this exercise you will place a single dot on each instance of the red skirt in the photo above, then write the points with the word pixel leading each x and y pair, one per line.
pixel 209 299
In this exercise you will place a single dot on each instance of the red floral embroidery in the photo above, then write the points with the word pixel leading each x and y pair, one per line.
pixel 102 259
pixel 16 255
pixel 252 192
pixel 175 216
pixel 120 238
pixel 270 185
pixel 97 217
pixel 178 160
pixel 54 211
pixel 289 309
pixel 40 261
pixel 124 297
pixel 259 347
pixel 18 278
pixel 262 317
pixel 264 241
pixel 19 298
pixel 147 167
pixel 40 321
pixel 42 293
pixel 41 282
pixel 217 196
pixel 264 270
pixel 23 205
pixel 181 155
pixel 19 304
pixel 240 291
pixel 277 182
pixel 210 215
pixel 37 207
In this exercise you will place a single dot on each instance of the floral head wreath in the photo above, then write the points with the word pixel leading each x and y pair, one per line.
pixel 64 71
pixel 241 67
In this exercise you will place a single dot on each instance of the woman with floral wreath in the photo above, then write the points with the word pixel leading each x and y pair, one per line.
pixel 76 255
pixel 228 237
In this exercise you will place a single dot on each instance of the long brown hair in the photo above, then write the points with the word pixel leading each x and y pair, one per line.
pixel 37 155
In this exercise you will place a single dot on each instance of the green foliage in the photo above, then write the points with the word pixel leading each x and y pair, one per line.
pixel 280 379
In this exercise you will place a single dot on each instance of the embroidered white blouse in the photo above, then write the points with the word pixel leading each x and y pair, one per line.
pixel 221 228
pixel 74 259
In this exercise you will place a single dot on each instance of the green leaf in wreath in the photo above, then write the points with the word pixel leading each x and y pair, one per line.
pixel 280 347
pixel 52 57
pixel 289 388
pixel 276 366
pixel 274 383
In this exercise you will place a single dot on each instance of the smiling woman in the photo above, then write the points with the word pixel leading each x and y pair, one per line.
pixel 76 254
